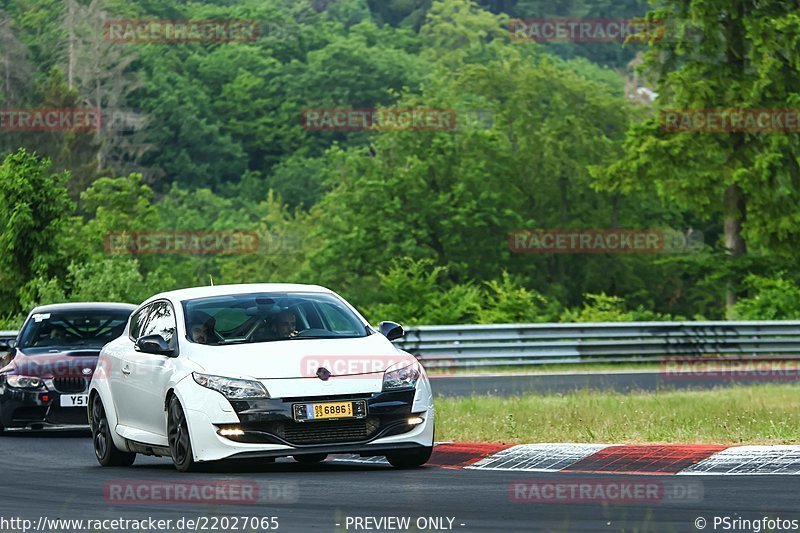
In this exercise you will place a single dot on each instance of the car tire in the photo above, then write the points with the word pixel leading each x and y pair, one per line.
pixel 105 450
pixel 310 458
pixel 180 443
pixel 410 459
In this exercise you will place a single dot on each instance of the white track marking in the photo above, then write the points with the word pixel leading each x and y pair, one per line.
pixel 537 457
pixel 747 460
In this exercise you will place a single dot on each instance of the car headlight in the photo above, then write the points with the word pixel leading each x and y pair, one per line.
pixel 232 388
pixel 401 378
pixel 25 382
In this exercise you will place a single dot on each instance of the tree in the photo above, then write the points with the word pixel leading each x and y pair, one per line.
pixel 100 71
pixel 16 70
pixel 74 150
pixel 34 206
pixel 724 54
pixel 189 145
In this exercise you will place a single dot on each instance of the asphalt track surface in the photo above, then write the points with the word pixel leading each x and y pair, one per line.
pixel 511 384
pixel 56 476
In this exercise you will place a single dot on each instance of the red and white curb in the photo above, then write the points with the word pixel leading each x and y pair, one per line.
pixel 681 459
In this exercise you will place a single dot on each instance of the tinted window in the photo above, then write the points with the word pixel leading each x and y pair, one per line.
pixel 160 321
pixel 66 329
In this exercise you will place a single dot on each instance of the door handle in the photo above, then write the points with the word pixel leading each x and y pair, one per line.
pixel 126 370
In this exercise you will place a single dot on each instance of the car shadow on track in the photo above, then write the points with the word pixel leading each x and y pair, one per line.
pixel 36 433
pixel 282 466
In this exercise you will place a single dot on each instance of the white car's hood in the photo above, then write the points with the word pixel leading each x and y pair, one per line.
pixel 290 368
pixel 301 358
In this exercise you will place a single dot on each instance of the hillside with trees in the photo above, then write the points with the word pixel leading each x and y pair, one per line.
pixel 408 224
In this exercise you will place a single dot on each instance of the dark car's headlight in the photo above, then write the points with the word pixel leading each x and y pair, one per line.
pixel 401 378
pixel 25 382
pixel 232 388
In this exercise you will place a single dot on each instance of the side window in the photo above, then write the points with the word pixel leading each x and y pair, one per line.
pixel 160 321
pixel 138 319
pixel 338 321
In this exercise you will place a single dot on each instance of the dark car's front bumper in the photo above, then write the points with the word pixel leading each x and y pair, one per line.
pixel 25 409
pixel 270 421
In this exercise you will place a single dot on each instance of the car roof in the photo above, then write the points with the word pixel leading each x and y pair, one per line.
pixel 84 306
pixel 244 288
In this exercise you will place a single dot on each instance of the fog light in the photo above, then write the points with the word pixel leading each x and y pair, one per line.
pixel 234 432
pixel 414 420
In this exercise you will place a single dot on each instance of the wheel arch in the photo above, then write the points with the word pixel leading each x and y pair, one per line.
pixel 96 392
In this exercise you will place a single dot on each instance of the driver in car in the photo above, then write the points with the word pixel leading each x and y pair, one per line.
pixel 199 333
pixel 202 328
pixel 283 325
pixel 56 335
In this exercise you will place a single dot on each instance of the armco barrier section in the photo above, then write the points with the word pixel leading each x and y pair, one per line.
pixel 530 344
pixel 609 342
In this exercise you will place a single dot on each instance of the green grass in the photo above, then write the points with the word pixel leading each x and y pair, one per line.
pixel 763 414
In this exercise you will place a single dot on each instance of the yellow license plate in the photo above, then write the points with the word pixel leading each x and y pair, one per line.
pixel 329 410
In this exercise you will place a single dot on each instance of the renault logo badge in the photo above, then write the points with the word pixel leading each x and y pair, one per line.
pixel 323 373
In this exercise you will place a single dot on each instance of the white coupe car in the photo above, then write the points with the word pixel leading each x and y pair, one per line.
pixel 258 371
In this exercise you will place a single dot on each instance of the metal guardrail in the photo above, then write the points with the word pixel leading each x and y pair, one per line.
pixel 612 342
pixel 601 342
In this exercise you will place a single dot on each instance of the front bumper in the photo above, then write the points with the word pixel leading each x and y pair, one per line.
pixel 271 431
pixel 271 422
pixel 22 409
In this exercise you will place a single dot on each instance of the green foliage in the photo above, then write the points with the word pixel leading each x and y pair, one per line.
pixel 415 292
pixel 34 207
pixel 409 225
pixel 41 291
pixel 604 308
pixel 110 279
pixel 599 308
pixel 506 302
pixel 412 294
pixel 776 298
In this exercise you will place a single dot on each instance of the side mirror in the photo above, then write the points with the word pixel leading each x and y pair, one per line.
pixel 8 344
pixel 153 344
pixel 391 330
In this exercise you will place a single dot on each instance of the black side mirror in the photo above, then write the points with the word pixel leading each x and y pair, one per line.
pixel 391 330
pixel 153 344
pixel 8 344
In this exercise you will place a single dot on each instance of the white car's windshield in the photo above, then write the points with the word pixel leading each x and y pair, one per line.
pixel 264 317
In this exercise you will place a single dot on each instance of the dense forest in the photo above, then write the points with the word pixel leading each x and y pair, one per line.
pixel 409 224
